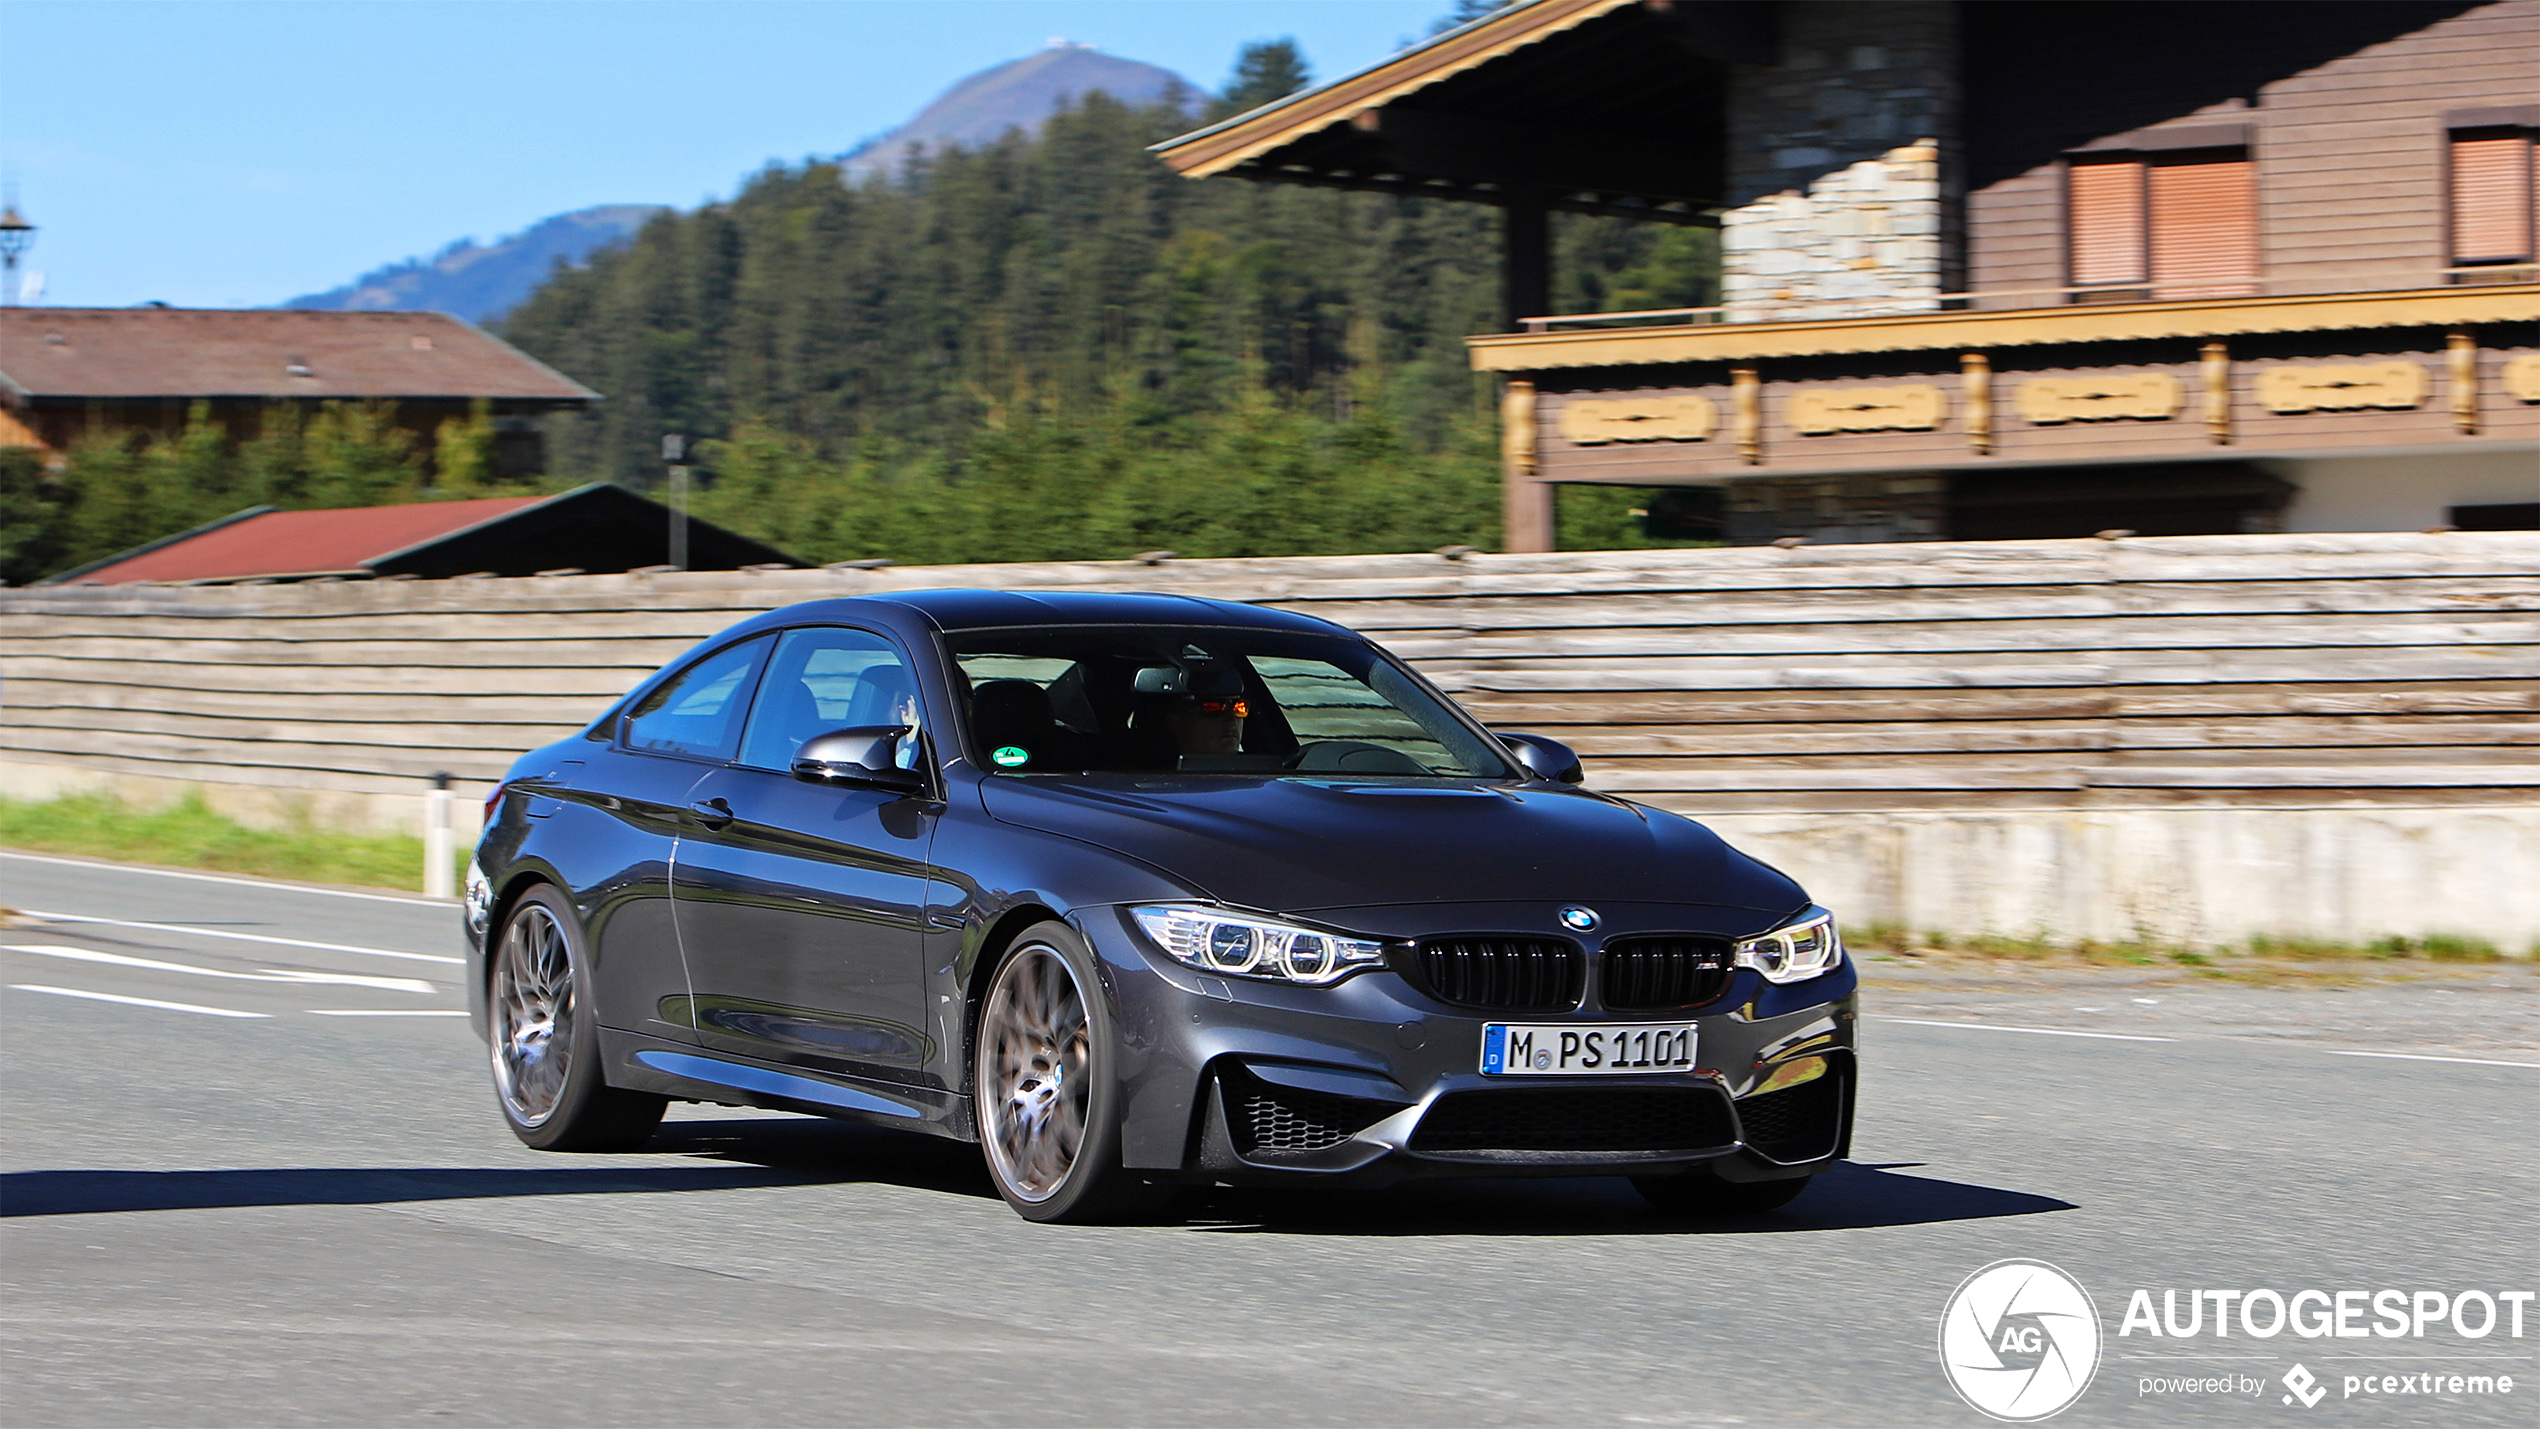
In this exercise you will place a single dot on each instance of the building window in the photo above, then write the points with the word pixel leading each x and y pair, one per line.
pixel 2492 181
pixel 2181 224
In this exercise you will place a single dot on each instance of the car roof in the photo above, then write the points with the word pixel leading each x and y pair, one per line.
pixel 992 609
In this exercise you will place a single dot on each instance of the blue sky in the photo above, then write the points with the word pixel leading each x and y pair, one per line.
pixel 214 154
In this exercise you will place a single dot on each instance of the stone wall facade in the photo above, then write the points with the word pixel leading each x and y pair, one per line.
pixel 1842 161
pixel 1863 240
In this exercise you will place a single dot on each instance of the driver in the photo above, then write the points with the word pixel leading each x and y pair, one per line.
pixel 1208 724
pixel 1201 710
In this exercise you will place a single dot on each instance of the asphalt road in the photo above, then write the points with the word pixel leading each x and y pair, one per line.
pixel 262 1182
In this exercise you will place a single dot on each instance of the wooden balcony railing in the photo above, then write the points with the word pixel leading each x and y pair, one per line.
pixel 2313 281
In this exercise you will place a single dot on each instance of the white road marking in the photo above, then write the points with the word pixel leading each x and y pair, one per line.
pixel 243 937
pixel 379 1012
pixel 90 955
pixel 132 1001
pixel 228 878
pixel 2132 1037
pixel 2032 1031
pixel 2422 1057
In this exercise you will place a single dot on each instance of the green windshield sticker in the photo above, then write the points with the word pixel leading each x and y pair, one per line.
pixel 1007 756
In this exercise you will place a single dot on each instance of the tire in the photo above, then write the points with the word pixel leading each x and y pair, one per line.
pixel 543 1044
pixel 1701 1193
pixel 1045 1087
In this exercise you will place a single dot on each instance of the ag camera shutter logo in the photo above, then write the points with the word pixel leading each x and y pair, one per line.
pixel 2020 1340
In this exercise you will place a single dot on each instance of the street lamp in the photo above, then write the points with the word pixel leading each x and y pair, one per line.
pixel 16 234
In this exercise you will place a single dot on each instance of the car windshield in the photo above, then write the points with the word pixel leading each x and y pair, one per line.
pixel 1079 699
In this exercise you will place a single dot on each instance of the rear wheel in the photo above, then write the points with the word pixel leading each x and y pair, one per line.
pixel 1701 1193
pixel 545 1047
pixel 1045 1090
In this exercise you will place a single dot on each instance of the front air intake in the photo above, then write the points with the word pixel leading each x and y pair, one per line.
pixel 1550 1120
pixel 1658 973
pixel 1495 974
pixel 1800 1123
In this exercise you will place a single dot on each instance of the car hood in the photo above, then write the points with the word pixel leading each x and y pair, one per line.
pixel 1301 845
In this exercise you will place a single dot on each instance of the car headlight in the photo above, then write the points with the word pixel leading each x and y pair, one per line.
pixel 1795 951
pixel 478 896
pixel 1217 941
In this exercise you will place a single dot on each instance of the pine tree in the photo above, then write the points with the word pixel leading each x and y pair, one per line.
pixel 1265 71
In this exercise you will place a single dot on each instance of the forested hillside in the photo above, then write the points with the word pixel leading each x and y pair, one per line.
pixel 1048 348
pixel 1055 347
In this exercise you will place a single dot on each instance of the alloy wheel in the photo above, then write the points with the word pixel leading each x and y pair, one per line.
pixel 532 1003
pixel 1035 1045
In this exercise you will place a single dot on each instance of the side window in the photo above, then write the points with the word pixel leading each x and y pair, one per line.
pixel 826 677
pixel 698 712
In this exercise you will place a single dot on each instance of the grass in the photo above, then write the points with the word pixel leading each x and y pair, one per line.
pixel 187 834
pixel 1893 940
pixel 2435 947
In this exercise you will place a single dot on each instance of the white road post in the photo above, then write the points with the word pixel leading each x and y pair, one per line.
pixel 674 450
pixel 438 879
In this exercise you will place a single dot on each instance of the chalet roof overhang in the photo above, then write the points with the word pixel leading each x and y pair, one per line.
pixel 1971 331
pixel 1588 106
pixel 73 356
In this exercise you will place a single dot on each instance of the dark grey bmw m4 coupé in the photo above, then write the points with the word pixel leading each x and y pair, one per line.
pixel 1138 890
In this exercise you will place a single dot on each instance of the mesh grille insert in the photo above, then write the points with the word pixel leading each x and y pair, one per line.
pixel 1501 974
pixel 1620 1119
pixel 1277 1120
pixel 1797 1123
pixel 1645 974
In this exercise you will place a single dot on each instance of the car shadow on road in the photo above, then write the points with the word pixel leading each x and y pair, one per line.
pixel 1850 1196
pixel 815 1148
pixel 77 1193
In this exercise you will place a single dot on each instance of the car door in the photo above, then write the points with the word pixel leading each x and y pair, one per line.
pixel 801 905
pixel 615 826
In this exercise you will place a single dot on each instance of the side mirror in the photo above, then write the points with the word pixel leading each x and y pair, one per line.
pixel 861 757
pixel 1545 758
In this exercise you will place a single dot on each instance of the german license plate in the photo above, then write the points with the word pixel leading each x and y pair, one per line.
pixel 1586 1049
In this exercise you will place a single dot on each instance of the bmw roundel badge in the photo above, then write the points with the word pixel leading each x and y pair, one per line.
pixel 1578 919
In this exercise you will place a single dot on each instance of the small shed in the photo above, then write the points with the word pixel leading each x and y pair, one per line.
pixel 590 530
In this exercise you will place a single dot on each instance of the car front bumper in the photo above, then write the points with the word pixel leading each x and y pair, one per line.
pixel 1371 1081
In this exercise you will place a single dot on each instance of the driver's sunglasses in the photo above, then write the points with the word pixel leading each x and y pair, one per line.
pixel 1240 709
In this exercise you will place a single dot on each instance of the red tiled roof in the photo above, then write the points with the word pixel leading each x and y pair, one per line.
pixel 302 543
pixel 76 353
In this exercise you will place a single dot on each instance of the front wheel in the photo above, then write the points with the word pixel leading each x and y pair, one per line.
pixel 545 1044
pixel 1700 1193
pixel 1045 1090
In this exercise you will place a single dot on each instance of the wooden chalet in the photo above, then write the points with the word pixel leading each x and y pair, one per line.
pixel 1992 268
pixel 68 372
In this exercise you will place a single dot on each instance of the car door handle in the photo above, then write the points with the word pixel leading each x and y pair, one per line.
pixel 713 813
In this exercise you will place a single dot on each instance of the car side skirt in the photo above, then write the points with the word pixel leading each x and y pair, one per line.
pixel 678 1069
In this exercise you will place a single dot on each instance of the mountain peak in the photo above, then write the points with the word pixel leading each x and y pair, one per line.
pixel 1018 94
pixel 480 282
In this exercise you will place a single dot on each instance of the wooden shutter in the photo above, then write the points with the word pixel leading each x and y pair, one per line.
pixel 2491 198
pixel 2204 226
pixel 2103 216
